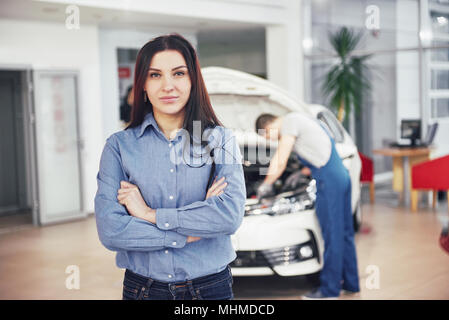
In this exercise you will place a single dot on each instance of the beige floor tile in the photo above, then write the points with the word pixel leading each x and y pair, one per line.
pixel 402 245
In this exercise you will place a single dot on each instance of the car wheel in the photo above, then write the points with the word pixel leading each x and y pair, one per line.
pixel 357 217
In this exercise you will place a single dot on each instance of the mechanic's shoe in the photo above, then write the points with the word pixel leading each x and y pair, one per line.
pixel 317 295
pixel 351 294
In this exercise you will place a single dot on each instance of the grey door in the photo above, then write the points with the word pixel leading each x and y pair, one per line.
pixel 12 163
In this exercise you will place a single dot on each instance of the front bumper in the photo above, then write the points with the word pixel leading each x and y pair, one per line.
pixel 286 245
pixel 283 261
pixel 295 269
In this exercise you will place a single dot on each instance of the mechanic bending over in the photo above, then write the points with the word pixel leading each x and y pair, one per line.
pixel 316 150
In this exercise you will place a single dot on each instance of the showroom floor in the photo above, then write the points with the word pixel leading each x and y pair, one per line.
pixel 398 254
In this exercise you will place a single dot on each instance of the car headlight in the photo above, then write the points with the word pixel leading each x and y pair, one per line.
pixel 289 205
pixel 306 251
pixel 285 204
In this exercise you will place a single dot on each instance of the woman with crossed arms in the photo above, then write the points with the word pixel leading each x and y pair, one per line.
pixel 156 205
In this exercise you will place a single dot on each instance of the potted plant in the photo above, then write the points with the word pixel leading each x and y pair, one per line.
pixel 346 82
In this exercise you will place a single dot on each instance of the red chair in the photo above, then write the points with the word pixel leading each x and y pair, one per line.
pixel 444 241
pixel 430 175
pixel 367 174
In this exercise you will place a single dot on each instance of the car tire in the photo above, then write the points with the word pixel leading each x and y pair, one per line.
pixel 357 217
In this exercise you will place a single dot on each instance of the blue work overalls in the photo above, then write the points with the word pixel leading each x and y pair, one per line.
pixel 333 209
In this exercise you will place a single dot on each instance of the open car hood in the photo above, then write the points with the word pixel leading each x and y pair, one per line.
pixel 239 98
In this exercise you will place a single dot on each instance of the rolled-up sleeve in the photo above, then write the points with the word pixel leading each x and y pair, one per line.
pixel 117 230
pixel 217 215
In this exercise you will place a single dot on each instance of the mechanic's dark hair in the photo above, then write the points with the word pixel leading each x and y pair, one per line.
pixel 263 120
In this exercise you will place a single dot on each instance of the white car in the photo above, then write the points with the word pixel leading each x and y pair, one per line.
pixel 280 235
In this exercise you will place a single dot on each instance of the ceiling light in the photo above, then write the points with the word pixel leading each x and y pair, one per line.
pixel 442 20
pixel 307 44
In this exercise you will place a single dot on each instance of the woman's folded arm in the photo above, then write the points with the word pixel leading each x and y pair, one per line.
pixel 117 230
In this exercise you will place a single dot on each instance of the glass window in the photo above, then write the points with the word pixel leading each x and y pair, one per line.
pixel 439 79
pixel 440 54
pixel 440 108
pixel 440 1
pixel 396 53
pixel 440 22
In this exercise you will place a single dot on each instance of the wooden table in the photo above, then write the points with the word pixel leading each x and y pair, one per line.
pixel 403 160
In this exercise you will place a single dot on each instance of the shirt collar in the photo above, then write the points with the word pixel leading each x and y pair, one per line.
pixel 147 121
pixel 150 121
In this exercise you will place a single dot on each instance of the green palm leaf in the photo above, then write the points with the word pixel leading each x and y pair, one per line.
pixel 346 83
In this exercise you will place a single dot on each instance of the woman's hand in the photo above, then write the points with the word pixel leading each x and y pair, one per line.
pixel 192 239
pixel 129 195
pixel 216 188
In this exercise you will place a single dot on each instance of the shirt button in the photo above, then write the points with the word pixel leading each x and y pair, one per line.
pixel 167 225
pixel 170 144
pixel 174 243
pixel 166 251
pixel 171 197
pixel 170 276
pixel 172 170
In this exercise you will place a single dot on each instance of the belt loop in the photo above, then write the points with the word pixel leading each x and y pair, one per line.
pixel 146 287
pixel 149 283
pixel 192 291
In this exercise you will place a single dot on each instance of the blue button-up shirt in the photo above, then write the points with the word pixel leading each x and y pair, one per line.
pixel 173 183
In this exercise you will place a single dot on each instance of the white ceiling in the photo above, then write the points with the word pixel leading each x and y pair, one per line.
pixel 107 18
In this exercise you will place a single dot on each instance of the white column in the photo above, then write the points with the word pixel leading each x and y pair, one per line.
pixel 285 54
pixel 407 62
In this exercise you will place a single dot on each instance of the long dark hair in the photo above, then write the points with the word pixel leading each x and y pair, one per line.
pixel 198 106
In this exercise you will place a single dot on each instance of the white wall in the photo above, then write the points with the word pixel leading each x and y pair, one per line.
pixel 51 46
pixel 282 18
pixel 248 56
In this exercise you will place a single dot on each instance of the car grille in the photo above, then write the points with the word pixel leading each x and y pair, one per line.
pixel 250 259
pixel 273 257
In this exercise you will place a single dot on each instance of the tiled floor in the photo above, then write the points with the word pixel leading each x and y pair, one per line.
pixel 402 246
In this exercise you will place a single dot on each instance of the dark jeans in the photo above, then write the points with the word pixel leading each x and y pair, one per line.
pixel 216 286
